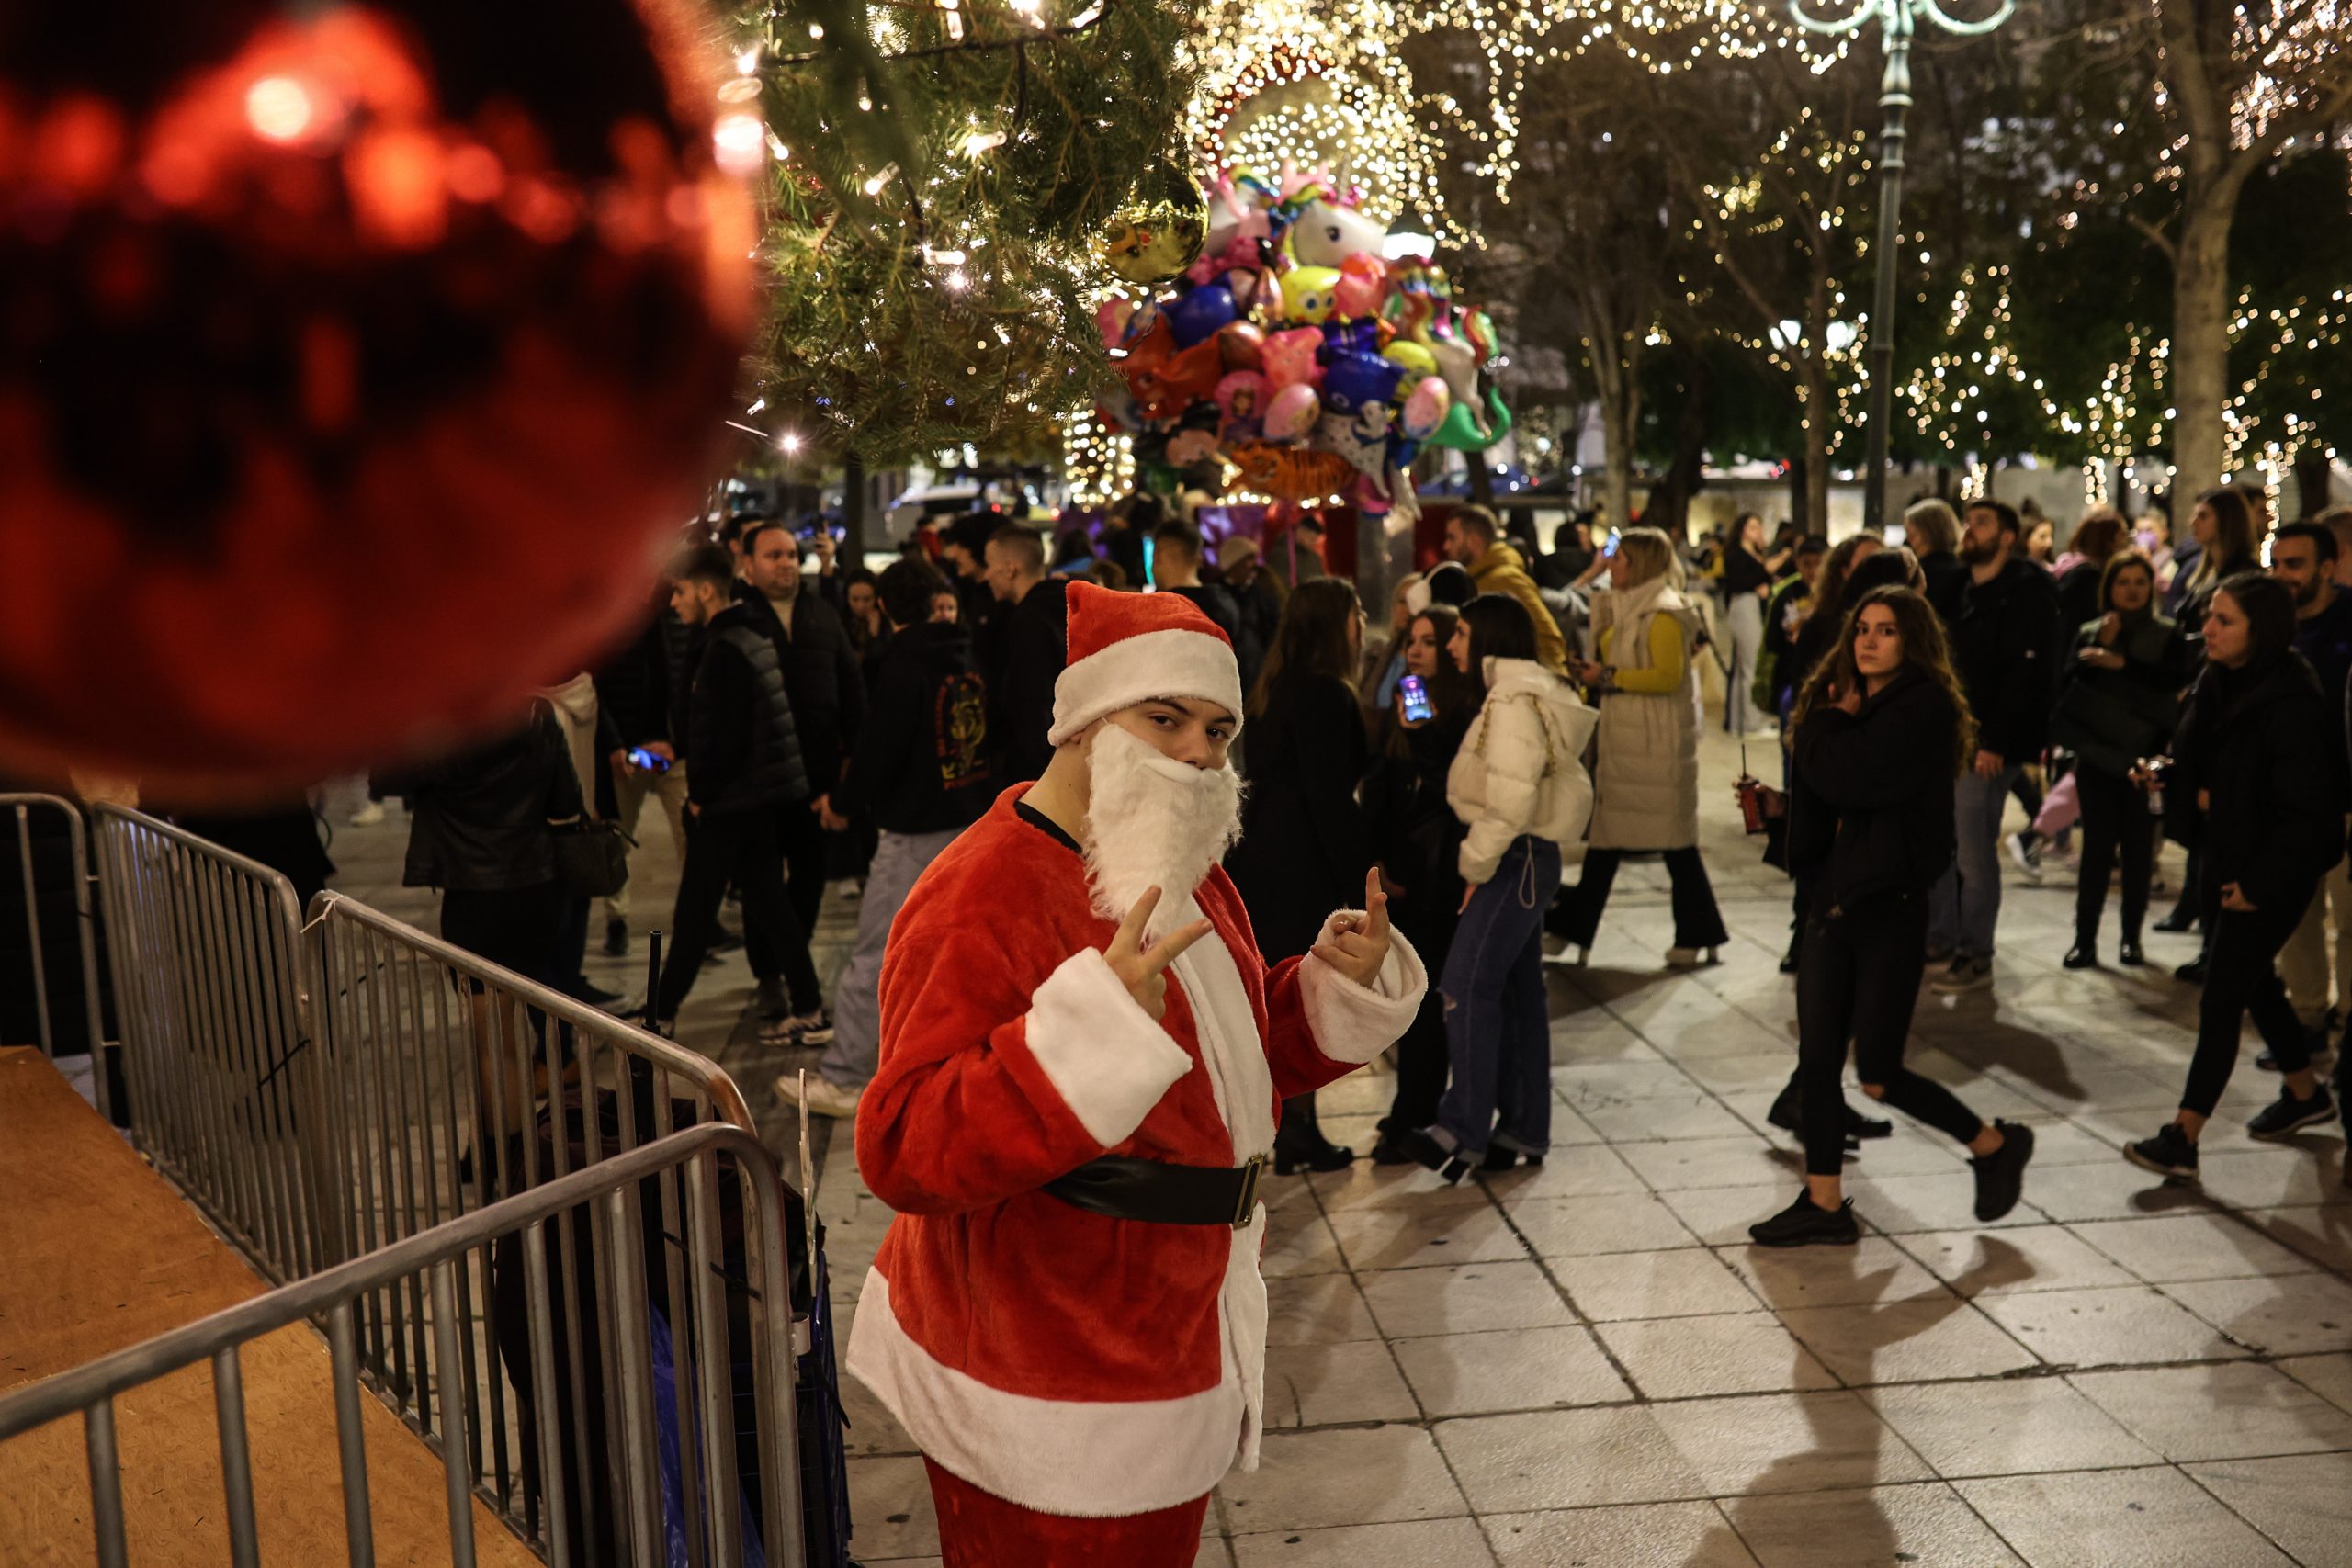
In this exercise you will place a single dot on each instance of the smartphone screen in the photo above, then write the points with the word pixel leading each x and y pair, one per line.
pixel 1610 548
pixel 1417 700
pixel 646 760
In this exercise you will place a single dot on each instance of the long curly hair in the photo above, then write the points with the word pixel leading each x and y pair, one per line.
pixel 1925 650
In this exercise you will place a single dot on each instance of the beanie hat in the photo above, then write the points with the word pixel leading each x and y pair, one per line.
pixel 1126 648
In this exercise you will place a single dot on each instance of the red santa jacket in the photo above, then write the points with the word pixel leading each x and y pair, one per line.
pixel 1066 1361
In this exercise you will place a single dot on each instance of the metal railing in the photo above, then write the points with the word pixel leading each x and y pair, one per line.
pixel 37 883
pixel 451 1083
pixel 205 947
pixel 734 1496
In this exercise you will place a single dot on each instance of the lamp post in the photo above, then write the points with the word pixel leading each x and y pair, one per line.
pixel 1898 19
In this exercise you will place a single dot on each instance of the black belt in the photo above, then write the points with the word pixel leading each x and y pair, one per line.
pixel 1163 1194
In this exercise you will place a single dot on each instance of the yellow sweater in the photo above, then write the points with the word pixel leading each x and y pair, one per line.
pixel 1666 659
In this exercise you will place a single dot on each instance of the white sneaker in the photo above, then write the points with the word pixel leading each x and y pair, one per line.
pixel 367 815
pixel 2028 856
pixel 825 1098
pixel 806 1029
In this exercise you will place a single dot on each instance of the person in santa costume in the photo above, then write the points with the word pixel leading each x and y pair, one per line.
pixel 1082 1055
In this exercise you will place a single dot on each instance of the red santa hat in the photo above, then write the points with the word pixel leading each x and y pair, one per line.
pixel 1126 648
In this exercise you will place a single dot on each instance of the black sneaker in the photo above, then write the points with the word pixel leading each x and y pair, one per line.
pixel 2169 1153
pixel 1804 1224
pixel 2000 1176
pixel 2191 973
pixel 2286 1115
pixel 1859 1126
pixel 1785 1112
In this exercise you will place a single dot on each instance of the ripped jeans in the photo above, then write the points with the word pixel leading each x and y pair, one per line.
pixel 1498 1028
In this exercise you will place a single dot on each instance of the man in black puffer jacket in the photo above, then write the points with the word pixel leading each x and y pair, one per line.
pixel 2004 645
pixel 747 770
pixel 922 772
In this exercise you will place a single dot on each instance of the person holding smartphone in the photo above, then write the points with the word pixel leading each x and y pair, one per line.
pixel 1416 840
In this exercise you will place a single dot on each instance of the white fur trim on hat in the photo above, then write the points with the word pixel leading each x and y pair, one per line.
pixel 1169 663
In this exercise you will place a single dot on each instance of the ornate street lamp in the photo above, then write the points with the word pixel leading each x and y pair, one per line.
pixel 1898 19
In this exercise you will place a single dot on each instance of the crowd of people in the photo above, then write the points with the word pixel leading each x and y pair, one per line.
pixel 1520 723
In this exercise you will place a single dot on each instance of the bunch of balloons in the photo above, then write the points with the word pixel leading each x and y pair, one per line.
pixel 1292 347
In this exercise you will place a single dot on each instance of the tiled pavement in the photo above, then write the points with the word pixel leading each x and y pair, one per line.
pixel 1587 1365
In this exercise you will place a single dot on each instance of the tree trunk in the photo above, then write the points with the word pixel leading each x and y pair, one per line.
pixel 852 510
pixel 1800 485
pixel 1670 501
pixel 1814 517
pixel 1482 479
pixel 1621 397
pixel 2199 386
pixel 2314 477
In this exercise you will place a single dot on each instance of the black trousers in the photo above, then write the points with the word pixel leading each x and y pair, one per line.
pixel 1697 921
pixel 802 839
pixel 741 847
pixel 1422 1061
pixel 2242 978
pixel 2115 821
pixel 1858 980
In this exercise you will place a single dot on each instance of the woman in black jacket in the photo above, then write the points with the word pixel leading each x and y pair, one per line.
pixel 1882 730
pixel 2250 761
pixel 1303 839
pixel 1417 841
pixel 2119 703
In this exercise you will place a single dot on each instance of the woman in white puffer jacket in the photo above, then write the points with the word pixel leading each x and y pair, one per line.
pixel 1520 787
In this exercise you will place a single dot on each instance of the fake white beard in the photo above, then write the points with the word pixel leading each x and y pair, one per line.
pixel 1151 822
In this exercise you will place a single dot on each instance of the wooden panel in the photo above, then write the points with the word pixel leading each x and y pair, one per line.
pixel 97 1252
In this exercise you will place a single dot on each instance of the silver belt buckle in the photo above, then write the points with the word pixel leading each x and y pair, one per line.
pixel 1246 1209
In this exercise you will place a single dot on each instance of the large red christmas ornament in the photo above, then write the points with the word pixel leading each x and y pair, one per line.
pixel 357 362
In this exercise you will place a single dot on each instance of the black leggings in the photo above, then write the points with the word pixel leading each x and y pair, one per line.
pixel 742 846
pixel 2115 819
pixel 2241 977
pixel 1422 1060
pixel 1697 921
pixel 1858 979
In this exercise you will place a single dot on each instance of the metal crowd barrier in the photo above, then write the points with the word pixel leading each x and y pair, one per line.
pixel 37 883
pixel 728 1304
pixel 205 952
pixel 451 1083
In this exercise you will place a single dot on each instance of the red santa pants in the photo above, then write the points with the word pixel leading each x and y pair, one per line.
pixel 977 1530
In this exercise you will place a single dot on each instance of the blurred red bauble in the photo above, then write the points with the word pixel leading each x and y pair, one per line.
pixel 356 363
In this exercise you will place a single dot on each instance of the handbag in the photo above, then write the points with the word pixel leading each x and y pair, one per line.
pixel 591 858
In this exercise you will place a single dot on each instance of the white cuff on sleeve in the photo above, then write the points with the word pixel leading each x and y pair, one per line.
pixel 1355 1024
pixel 1102 1052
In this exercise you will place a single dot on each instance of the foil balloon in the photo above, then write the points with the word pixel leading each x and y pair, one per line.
pixel 1199 313
pixel 1241 399
pixel 1416 359
pixel 1461 432
pixel 1307 292
pixel 1352 381
pixel 336 334
pixel 1112 318
pixel 1361 437
pixel 1324 234
pixel 1425 407
pixel 1292 413
pixel 1363 281
pixel 1159 229
pixel 1290 358
pixel 1242 345
pixel 1458 363
pixel 1179 381
pixel 1292 473
pixel 1352 337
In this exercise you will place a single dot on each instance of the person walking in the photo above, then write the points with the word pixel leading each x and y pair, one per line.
pixel 2119 703
pixel 747 774
pixel 1303 839
pixel 1417 842
pixel 1472 540
pixel 1747 578
pixel 1519 786
pixel 2003 643
pixel 2251 760
pixel 1020 686
pixel 1646 780
pixel 2304 556
pixel 1883 729
pixel 921 770
pixel 1931 530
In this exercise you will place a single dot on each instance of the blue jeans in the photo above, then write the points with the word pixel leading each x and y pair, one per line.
pixel 1498 1028
pixel 1965 904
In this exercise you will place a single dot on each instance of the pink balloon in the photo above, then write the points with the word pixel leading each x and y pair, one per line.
pixel 1289 358
pixel 1293 413
pixel 1111 317
pixel 1425 408
pixel 1363 280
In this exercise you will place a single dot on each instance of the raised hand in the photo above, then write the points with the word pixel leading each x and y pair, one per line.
pixel 1144 970
pixel 1360 944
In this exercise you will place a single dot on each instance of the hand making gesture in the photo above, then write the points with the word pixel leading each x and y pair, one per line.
pixel 1360 944
pixel 1144 971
